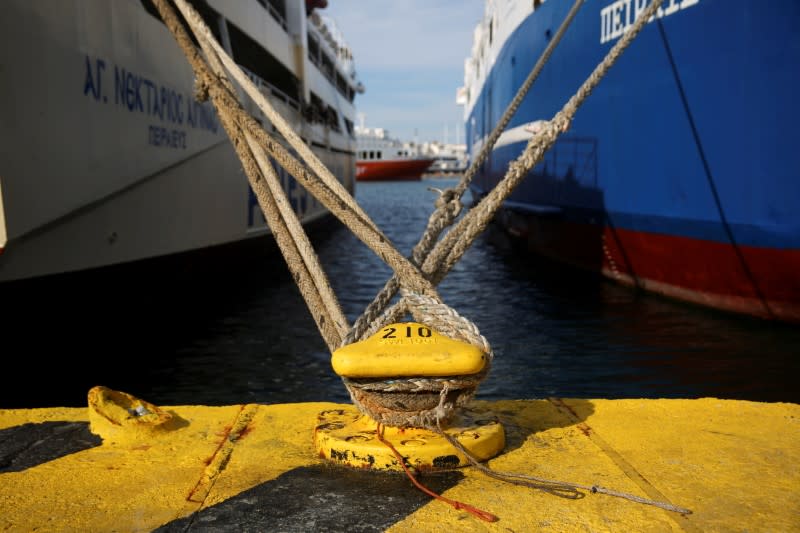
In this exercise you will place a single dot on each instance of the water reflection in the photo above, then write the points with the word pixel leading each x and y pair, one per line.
pixel 232 327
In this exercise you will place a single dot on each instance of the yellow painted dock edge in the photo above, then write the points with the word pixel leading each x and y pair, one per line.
pixel 733 463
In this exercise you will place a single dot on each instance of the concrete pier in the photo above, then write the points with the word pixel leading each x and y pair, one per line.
pixel 253 468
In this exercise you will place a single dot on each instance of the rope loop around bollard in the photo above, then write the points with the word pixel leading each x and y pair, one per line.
pixel 434 399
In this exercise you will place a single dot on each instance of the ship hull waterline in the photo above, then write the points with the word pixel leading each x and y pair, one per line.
pixel 746 280
pixel 670 178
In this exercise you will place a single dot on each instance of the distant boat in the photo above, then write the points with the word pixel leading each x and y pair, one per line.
pixel 381 157
pixel 447 158
pixel 108 158
pixel 679 173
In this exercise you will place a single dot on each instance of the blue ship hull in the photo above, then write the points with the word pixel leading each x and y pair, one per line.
pixel 679 172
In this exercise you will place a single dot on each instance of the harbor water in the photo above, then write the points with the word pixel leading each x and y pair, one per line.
pixel 229 326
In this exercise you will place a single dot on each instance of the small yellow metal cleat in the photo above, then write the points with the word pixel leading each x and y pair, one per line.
pixel 407 349
pixel 117 416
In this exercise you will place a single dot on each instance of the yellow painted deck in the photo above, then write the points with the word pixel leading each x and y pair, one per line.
pixel 733 463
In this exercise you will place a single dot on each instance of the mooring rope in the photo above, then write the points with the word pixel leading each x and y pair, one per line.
pixel 458 505
pixel 445 254
pixel 431 259
pixel 447 251
pixel 328 317
pixel 498 130
pixel 453 245
pixel 289 235
pixel 564 489
pixel 316 179
pixel 448 205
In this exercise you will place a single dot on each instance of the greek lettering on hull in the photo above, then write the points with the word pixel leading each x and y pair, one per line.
pixel 617 17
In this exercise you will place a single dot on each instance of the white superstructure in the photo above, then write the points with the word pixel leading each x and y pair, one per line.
pixel 105 155
pixel 500 19
pixel 378 144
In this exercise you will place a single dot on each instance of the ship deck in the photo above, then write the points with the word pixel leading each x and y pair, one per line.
pixel 253 467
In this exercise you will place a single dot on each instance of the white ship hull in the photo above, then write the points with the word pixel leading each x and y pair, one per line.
pixel 106 156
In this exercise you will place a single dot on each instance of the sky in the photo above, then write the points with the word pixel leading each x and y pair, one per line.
pixel 409 54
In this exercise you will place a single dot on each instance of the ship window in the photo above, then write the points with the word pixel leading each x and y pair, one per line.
pixel 348 124
pixel 252 56
pixel 333 119
pixel 380 154
pixel 327 66
pixel 317 110
pixel 343 87
pixel 313 49
pixel 371 155
pixel 341 84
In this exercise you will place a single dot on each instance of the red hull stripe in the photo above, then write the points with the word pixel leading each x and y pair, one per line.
pixel 759 281
pixel 408 169
pixel 763 282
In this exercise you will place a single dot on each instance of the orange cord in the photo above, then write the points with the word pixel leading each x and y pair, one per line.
pixel 483 515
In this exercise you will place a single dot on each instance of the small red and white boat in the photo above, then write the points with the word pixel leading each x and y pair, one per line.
pixel 383 158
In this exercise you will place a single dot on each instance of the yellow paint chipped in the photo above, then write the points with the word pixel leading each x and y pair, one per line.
pixel 347 437
pixel 733 463
pixel 407 349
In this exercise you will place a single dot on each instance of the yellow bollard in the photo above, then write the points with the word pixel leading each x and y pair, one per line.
pixel 406 350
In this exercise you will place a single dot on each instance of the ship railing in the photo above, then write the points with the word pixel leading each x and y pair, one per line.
pixel 279 17
pixel 333 67
pixel 323 130
pixel 267 89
